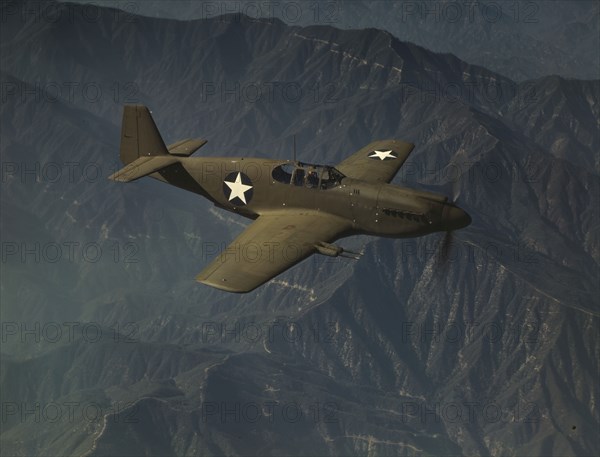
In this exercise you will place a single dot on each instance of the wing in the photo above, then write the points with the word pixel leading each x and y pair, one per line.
pixel 377 162
pixel 269 246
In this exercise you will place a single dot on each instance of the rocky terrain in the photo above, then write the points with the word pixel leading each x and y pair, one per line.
pixel 109 346
pixel 521 39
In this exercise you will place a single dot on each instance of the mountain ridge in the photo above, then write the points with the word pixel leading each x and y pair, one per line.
pixel 381 341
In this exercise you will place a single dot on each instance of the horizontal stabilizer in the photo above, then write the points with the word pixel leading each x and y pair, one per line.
pixel 187 147
pixel 141 167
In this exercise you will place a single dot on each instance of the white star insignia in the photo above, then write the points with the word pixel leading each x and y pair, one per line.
pixel 238 189
pixel 382 155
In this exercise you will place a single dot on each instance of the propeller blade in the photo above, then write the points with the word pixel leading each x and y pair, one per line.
pixel 445 247
pixel 455 191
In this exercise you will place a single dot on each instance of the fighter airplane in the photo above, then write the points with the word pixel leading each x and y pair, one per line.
pixel 298 208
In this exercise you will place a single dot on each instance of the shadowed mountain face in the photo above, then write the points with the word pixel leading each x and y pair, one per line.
pixel 110 348
pixel 520 39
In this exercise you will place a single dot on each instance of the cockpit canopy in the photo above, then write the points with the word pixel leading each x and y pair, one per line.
pixel 307 175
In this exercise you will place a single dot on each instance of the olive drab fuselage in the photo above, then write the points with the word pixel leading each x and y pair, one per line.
pixel 374 208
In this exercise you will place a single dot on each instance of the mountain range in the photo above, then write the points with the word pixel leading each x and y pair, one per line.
pixel 520 39
pixel 109 346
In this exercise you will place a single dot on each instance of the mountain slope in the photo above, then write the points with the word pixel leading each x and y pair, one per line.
pixel 493 352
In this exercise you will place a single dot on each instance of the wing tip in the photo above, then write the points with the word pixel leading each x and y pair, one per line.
pixel 223 285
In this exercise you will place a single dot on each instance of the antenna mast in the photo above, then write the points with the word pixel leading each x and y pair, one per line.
pixel 294 148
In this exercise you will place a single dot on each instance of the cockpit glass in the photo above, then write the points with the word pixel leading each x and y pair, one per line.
pixel 312 178
pixel 331 178
pixel 283 173
pixel 299 177
pixel 307 175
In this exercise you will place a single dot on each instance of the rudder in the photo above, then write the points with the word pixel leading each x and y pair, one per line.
pixel 139 135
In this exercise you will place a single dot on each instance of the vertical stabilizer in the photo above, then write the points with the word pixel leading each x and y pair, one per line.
pixel 139 135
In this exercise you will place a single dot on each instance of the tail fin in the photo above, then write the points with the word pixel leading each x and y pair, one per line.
pixel 143 151
pixel 139 135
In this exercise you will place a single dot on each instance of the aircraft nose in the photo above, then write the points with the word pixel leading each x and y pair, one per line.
pixel 455 218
